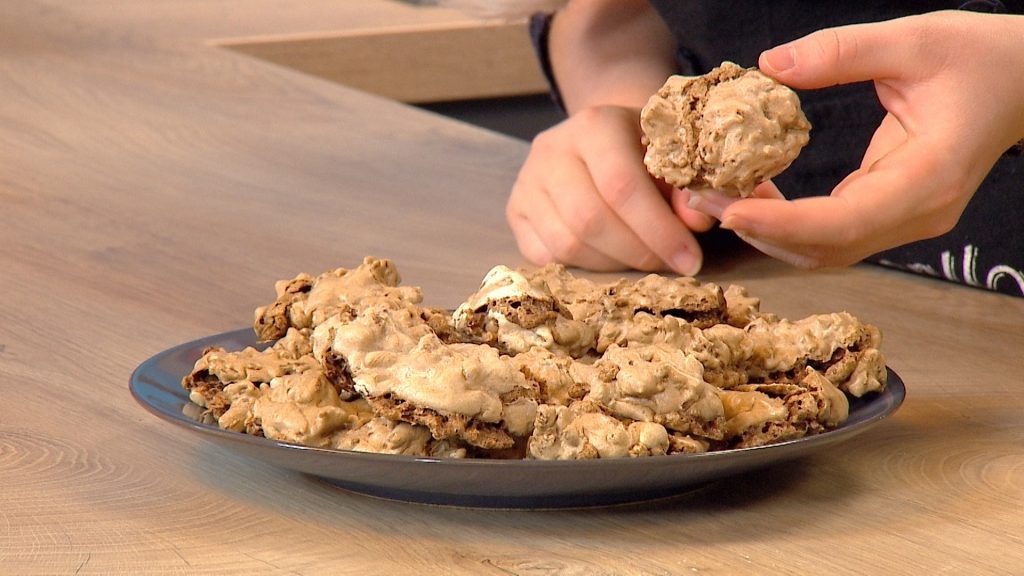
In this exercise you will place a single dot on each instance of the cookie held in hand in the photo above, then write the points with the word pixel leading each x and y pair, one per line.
pixel 728 130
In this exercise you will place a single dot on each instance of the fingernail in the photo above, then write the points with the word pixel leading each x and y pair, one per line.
pixel 780 58
pixel 686 263
pixel 730 223
pixel 711 203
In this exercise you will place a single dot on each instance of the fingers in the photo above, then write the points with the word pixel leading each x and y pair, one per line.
pixel 889 135
pixel 629 192
pixel 948 120
pixel 710 202
pixel 898 200
pixel 768 189
pixel 529 243
pixel 547 233
pixel 694 218
pixel 584 198
pixel 792 256
pixel 706 206
pixel 587 217
pixel 587 196
pixel 558 212
pixel 544 238
pixel 842 55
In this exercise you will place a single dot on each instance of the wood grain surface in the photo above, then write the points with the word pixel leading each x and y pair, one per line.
pixel 417 64
pixel 153 187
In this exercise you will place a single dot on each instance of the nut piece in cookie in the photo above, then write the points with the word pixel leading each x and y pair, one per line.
pixel 727 130
pixel 280 393
pixel 759 414
pixel 514 314
pixel 217 369
pixel 305 302
pixel 656 383
pixel 606 305
pixel 838 344
pixel 557 376
pixel 383 436
pixel 680 297
pixel 741 308
pixel 458 391
pixel 582 431
pixel 305 409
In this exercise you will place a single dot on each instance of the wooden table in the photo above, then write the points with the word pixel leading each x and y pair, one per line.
pixel 152 188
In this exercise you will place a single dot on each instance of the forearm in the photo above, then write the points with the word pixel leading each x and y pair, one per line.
pixel 609 52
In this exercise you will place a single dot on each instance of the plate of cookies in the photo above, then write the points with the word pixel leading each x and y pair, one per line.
pixel 541 390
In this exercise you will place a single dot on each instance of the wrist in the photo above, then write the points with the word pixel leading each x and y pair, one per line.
pixel 607 52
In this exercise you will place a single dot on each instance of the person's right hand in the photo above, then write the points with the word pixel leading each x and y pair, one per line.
pixel 584 198
pixel 950 84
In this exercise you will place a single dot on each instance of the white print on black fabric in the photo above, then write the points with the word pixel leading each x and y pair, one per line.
pixel 999 278
pixel 969 267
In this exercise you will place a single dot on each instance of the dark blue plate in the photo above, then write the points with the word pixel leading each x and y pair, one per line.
pixel 156 385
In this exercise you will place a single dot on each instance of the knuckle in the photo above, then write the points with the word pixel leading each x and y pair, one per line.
pixel 545 141
pixel 618 188
pixel 588 117
pixel 832 47
pixel 567 249
pixel 588 221
pixel 841 251
pixel 512 212
pixel 536 255
pixel 649 262
pixel 931 39
pixel 599 120
pixel 944 207
pixel 515 207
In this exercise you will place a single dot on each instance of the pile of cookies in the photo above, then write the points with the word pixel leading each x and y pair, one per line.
pixel 535 364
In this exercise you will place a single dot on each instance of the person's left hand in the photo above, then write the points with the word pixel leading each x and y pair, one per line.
pixel 584 198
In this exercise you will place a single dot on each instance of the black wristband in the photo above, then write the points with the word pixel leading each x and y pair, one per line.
pixel 540 26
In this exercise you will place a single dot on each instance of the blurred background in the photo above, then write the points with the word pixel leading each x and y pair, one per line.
pixel 471 60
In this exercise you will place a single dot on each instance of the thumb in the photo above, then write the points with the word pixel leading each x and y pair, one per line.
pixel 841 55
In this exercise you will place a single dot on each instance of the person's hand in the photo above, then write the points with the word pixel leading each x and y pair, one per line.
pixel 584 198
pixel 951 83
